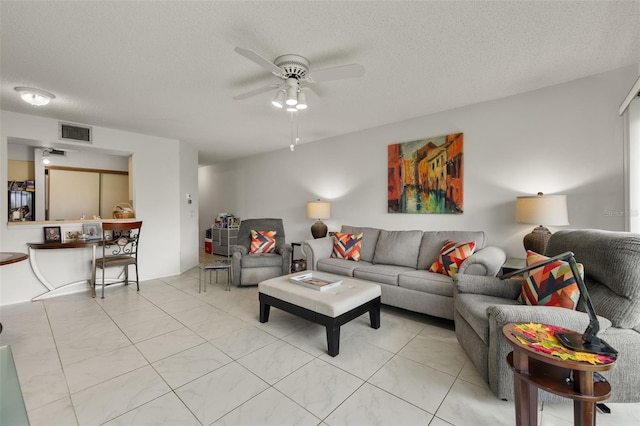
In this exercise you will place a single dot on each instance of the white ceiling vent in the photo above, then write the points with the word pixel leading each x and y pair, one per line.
pixel 74 132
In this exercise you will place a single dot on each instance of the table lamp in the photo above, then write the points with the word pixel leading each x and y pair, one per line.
pixel 587 341
pixel 318 210
pixel 541 210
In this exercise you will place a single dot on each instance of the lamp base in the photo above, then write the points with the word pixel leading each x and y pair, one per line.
pixel 573 340
pixel 319 229
pixel 537 239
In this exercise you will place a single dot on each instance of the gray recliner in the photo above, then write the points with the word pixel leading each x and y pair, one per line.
pixel 250 269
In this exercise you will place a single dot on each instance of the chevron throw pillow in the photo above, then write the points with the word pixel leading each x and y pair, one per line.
pixel 347 246
pixel 263 242
pixel 451 257
pixel 550 285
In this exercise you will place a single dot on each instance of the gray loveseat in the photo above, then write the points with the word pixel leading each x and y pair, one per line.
pixel 399 262
pixel 612 275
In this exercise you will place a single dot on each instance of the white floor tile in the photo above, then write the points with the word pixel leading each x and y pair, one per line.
pixel 165 410
pixel 446 357
pixel 117 396
pixel 275 361
pixel 270 408
pixel 358 357
pixel 370 405
pixel 190 364
pixel 169 344
pixel 416 383
pixel 319 387
pixel 91 346
pixel 470 404
pixel 243 341
pixel 220 392
pixel 84 374
pixel 57 413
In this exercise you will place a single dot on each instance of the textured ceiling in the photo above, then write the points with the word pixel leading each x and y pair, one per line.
pixel 169 69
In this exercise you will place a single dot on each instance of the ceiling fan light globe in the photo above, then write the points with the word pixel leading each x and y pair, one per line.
pixel 278 101
pixel 292 108
pixel 302 101
pixel 292 94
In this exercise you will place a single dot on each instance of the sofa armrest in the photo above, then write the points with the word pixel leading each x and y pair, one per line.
pixel 236 256
pixel 490 286
pixel 487 262
pixel 314 250
pixel 241 250
pixel 560 317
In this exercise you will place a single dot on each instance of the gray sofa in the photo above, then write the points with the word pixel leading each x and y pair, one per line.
pixel 399 262
pixel 612 275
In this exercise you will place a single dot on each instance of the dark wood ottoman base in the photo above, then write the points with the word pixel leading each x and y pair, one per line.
pixel 332 324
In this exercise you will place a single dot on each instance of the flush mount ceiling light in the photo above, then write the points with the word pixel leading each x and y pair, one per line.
pixel 35 97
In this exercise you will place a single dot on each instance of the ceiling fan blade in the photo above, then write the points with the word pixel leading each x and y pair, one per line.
pixel 255 92
pixel 258 59
pixel 337 73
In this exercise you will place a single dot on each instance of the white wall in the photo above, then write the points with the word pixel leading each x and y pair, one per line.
pixel 158 165
pixel 565 139
pixel 188 199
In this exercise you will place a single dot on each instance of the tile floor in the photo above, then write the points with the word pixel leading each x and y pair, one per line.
pixel 171 356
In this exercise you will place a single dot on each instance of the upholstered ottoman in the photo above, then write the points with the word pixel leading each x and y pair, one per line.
pixel 331 308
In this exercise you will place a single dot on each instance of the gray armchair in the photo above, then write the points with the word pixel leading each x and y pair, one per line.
pixel 250 269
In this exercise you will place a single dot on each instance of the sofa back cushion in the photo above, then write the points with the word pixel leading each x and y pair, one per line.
pixel 611 267
pixel 398 248
pixel 369 240
pixel 432 242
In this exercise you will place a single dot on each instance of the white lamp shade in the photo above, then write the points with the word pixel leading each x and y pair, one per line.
pixel 542 210
pixel 318 210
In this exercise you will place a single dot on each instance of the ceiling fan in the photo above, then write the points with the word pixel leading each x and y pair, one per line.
pixel 294 73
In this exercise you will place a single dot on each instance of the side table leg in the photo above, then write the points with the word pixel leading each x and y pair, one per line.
pixel 584 413
pixel 526 395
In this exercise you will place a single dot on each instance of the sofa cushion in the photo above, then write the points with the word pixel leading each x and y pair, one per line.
pixel 398 248
pixel 262 242
pixel 347 246
pixel 432 242
pixel 427 282
pixel 451 257
pixel 550 285
pixel 261 260
pixel 473 308
pixel 611 270
pixel 387 274
pixel 369 240
pixel 339 266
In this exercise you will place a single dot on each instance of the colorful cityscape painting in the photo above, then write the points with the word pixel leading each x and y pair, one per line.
pixel 426 176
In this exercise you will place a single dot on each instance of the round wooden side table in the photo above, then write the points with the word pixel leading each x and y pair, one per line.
pixel 576 380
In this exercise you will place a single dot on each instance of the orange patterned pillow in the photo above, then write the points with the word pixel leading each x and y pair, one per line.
pixel 550 285
pixel 263 242
pixel 451 257
pixel 347 246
